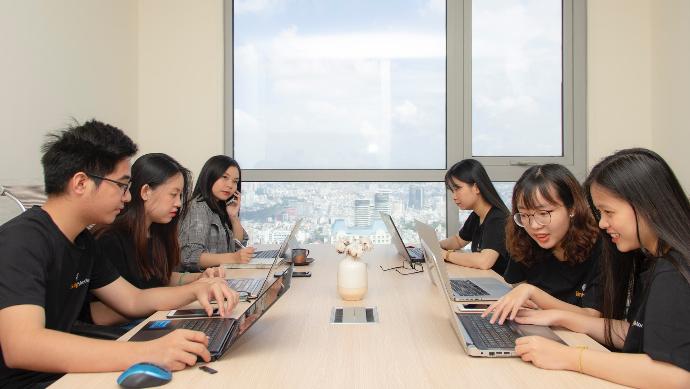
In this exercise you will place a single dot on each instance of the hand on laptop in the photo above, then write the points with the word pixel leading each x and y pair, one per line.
pixel 545 317
pixel 217 289
pixel 212 272
pixel 244 255
pixel 176 350
pixel 547 354
pixel 508 306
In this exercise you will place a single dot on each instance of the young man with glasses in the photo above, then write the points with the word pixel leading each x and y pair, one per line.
pixel 50 261
pixel 554 247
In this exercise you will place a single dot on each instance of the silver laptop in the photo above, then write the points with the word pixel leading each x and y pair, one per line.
pixel 251 287
pixel 263 262
pixel 412 255
pixel 477 335
pixel 461 289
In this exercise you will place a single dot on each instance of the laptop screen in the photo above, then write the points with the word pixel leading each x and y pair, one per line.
pixel 395 236
pixel 264 302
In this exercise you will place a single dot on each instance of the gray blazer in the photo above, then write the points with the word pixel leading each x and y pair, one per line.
pixel 201 231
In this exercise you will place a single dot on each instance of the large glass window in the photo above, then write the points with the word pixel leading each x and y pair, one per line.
pixel 361 94
pixel 517 78
pixel 334 84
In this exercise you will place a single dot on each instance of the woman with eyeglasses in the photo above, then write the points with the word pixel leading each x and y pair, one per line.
pixel 646 280
pixel 485 227
pixel 554 247
pixel 211 229
pixel 142 243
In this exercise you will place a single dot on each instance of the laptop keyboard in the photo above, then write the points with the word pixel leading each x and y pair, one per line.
pixel 265 254
pixel 416 252
pixel 249 285
pixel 486 335
pixel 211 327
pixel 467 288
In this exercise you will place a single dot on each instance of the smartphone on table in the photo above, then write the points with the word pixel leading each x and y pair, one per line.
pixel 182 313
pixel 294 274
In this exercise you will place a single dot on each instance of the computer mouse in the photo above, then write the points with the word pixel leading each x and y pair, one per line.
pixel 144 375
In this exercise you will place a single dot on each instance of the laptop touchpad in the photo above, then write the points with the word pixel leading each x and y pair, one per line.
pixel 546 332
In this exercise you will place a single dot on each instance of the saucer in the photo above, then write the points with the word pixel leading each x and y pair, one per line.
pixel 309 260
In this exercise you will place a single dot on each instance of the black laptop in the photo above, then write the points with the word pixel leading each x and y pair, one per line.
pixel 410 254
pixel 222 332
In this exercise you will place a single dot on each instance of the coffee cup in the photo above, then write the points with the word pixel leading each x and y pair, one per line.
pixel 299 256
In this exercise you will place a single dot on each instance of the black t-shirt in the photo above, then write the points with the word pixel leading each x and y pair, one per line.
pixel 118 248
pixel 488 235
pixel 660 327
pixel 40 266
pixel 578 284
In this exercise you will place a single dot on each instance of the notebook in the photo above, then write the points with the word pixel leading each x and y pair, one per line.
pixel 476 334
pixel 461 289
pixel 264 261
pixel 410 254
pixel 222 332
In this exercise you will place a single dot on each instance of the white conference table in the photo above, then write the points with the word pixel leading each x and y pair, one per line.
pixel 413 346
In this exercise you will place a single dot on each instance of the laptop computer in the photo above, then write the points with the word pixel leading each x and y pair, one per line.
pixel 461 289
pixel 252 287
pixel 222 332
pixel 476 334
pixel 264 259
pixel 412 255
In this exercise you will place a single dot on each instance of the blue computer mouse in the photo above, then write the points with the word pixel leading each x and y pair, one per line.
pixel 144 375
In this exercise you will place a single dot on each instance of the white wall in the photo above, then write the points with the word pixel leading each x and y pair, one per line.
pixel 671 86
pixel 619 76
pixel 61 60
pixel 181 79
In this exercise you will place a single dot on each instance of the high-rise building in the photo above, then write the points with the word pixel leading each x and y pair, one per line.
pixel 416 197
pixel 382 202
pixel 362 213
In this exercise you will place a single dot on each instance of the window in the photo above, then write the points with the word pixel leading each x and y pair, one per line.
pixel 335 209
pixel 353 94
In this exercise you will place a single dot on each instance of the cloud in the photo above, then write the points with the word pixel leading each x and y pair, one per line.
pixel 405 112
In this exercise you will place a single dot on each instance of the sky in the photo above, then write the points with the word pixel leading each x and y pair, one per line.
pixel 361 84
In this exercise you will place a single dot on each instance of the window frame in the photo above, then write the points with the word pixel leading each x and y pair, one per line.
pixel 459 120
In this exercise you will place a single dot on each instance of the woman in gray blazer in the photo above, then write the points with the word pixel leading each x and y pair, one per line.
pixel 212 223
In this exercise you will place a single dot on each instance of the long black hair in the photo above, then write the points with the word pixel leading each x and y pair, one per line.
pixel 153 170
pixel 471 171
pixel 644 180
pixel 214 169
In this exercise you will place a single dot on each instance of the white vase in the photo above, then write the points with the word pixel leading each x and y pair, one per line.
pixel 352 279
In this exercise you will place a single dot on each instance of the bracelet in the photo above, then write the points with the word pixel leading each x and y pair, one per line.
pixel 179 282
pixel 579 359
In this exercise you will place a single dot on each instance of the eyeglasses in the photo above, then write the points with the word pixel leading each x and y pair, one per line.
pixel 543 218
pixel 124 186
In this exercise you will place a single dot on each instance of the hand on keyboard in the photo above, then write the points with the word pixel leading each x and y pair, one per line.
pixel 207 289
pixel 508 306
pixel 218 271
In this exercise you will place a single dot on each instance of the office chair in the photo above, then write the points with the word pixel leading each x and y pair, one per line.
pixel 27 196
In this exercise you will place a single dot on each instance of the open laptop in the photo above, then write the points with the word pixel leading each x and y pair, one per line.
pixel 222 332
pixel 461 289
pixel 264 259
pixel 412 255
pixel 252 287
pixel 477 335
